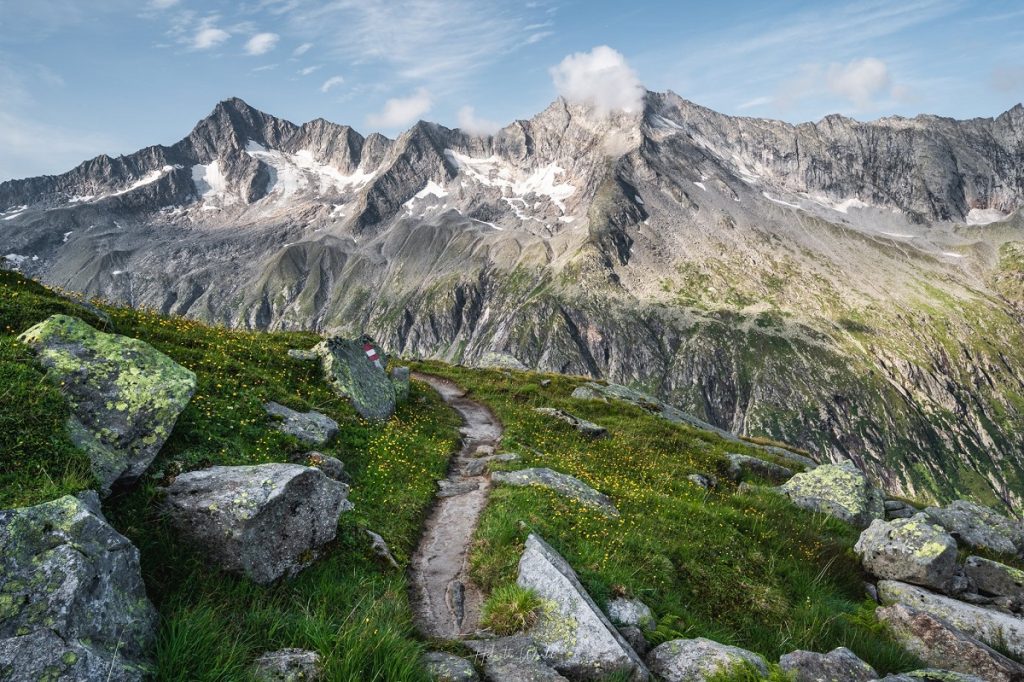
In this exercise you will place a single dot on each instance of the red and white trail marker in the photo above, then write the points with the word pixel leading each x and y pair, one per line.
pixel 371 354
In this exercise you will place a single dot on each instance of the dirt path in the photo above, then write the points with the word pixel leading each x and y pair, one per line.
pixel 445 602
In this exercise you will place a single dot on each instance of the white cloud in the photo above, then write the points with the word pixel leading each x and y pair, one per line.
pixel 400 111
pixel 261 43
pixel 163 4
pixel 302 49
pixel 207 34
pixel 753 103
pixel 474 125
pixel 310 69
pixel 860 81
pixel 332 82
pixel 601 78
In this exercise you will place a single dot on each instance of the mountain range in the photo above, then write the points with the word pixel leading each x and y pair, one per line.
pixel 853 288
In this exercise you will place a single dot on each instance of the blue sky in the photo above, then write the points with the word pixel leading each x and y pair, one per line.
pixel 79 78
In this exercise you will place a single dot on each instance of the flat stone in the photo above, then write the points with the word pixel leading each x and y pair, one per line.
pixel 939 644
pixel 573 634
pixel 513 659
pixel 840 490
pixel 910 550
pixel 445 667
pixel 288 665
pixel 838 664
pixel 563 484
pixel 125 396
pixel 448 488
pixel 979 527
pixel 696 660
pixel 265 521
pixel 353 375
pixel 480 465
pixel 310 427
pixel 994 578
pixel 623 611
pixel 589 429
pixel 742 465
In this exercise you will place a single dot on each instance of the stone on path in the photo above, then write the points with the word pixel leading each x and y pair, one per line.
pixel 563 484
pixel 309 427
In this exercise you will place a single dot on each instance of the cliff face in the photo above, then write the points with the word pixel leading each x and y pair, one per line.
pixel 851 287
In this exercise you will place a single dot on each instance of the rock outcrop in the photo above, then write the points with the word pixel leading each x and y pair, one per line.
pixel 288 665
pixel 310 427
pixel 72 602
pixel 695 660
pixel 445 667
pixel 589 429
pixel 979 527
pixel 838 664
pixel 125 395
pixel 563 484
pixel 265 521
pixel 910 550
pixel 742 465
pixel 840 490
pixel 994 578
pixel 513 659
pixel 359 374
pixel 624 611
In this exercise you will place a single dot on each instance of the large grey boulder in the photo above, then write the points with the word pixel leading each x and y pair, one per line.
pixel 573 634
pixel 741 465
pixel 623 611
pixel 352 373
pixel 445 667
pixel 838 664
pixel 994 578
pixel 912 550
pixel 513 659
pixel 563 484
pixel 991 627
pixel 695 660
pixel 288 665
pixel 72 602
pixel 932 675
pixel 265 521
pixel 939 644
pixel 588 429
pixel 309 427
pixel 979 527
pixel 125 396
pixel 840 490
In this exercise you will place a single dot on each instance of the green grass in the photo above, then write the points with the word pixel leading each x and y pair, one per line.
pixel 743 569
pixel 510 609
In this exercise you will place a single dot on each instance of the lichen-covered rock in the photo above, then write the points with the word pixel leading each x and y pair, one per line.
pixel 840 490
pixel 513 659
pixel 288 665
pixel 72 601
pixel 838 664
pixel 932 675
pixel 265 521
pixel 587 392
pixel 353 373
pixel 740 465
pixel 562 484
pixel 310 427
pixel 702 480
pixel 939 644
pixel 589 429
pixel 695 660
pixel 898 509
pixel 994 578
pixel 125 395
pixel 623 611
pixel 400 380
pixel 480 465
pixel 332 466
pixel 302 354
pixel 979 527
pixel 911 550
pixel 495 360
pixel 573 634
pixel 445 667
pixel 991 627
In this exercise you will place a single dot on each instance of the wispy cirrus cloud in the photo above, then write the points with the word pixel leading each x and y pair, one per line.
pixel 401 111
pixel 261 43
pixel 331 83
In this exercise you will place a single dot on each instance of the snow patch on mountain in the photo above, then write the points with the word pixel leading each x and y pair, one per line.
pixel 294 173
pixel 984 216
pixel 493 171
pixel 210 182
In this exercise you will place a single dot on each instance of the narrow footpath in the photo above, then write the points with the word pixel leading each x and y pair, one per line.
pixel 445 603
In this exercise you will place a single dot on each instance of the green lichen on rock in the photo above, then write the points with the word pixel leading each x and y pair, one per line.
pixel 125 395
pixel 353 375
pixel 839 490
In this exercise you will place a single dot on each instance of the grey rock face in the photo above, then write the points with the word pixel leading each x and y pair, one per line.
pixel 911 550
pixel 838 664
pixel 994 578
pixel 897 509
pixel 840 490
pixel 693 660
pixel 513 659
pixel 562 484
pixel 573 634
pixel 744 464
pixel 72 602
pixel 310 427
pixel 937 643
pixel 400 380
pixel 265 521
pixel 623 611
pixel 352 374
pixel 125 395
pixel 589 429
pixel 979 527
pixel 991 627
pixel 445 667
pixel 635 637
pixel 288 665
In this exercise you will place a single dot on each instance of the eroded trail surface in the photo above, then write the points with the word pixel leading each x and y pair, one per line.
pixel 445 602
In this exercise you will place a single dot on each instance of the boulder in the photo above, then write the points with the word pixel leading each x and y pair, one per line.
pixel 72 601
pixel 586 392
pixel 695 660
pixel 636 638
pixel 513 659
pixel 287 665
pixel 994 578
pixel 979 527
pixel 265 521
pixel 939 644
pixel 573 634
pixel 400 380
pixel 302 354
pixel 563 484
pixel 125 396
pixel 445 667
pixel 309 427
pixel 353 374
pixel 931 675
pixel 991 627
pixel 480 465
pixel 911 550
pixel 332 466
pixel 494 360
pixel 840 490
pixel 623 611
pixel 702 480
pixel 381 550
pixel 589 429
pixel 838 664
pixel 741 465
